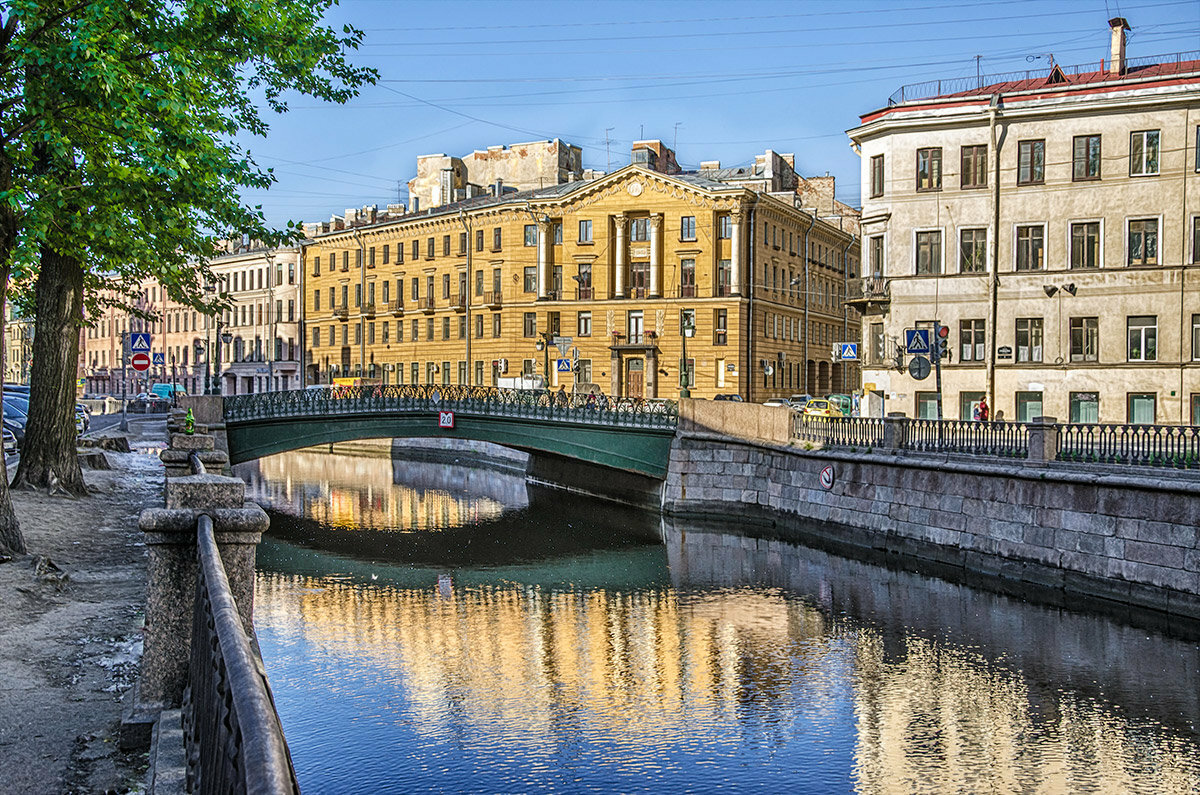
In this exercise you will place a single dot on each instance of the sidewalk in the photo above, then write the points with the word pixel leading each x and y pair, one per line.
pixel 69 647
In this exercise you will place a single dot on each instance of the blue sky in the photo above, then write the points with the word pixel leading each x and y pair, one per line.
pixel 722 81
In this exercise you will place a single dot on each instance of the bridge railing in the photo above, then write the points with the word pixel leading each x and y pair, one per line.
pixel 232 732
pixel 593 409
pixel 1176 446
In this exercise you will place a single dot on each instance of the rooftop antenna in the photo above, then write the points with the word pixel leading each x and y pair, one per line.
pixel 978 76
pixel 642 133
pixel 607 156
pixel 675 140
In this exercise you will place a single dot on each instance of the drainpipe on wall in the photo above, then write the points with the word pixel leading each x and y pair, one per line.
pixel 994 275
pixel 812 221
pixel 462 219
pixel 1183 247
pixel 750 373
pixel 846 309
pixel 362 290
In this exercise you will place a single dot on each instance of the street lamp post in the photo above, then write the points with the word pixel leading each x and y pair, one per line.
pixel 225 337
pixel 543 345
pixel 689 328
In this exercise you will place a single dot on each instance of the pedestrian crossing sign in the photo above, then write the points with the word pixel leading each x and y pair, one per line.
pixel 562 365
pixel 158 359
pixel 139 342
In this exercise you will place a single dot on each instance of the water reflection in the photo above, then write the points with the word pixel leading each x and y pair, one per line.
pixel 546 645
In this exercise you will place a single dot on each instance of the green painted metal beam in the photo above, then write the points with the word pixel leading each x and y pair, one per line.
pixel 642 450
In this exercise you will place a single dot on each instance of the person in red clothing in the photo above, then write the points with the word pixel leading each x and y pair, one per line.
pixel 983 409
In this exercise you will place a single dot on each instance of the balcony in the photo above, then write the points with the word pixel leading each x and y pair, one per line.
pixel 492 298
pixel 427 305
pixel 341 312
pixel 583 293
pixel 554 295
pixel 640 340
pixel 396 308
pixel 369 309
pixel 636 292
pixel 459 302
pixel 869 295
pixel 724 291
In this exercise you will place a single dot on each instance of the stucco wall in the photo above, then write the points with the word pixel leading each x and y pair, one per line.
pixel 1131 539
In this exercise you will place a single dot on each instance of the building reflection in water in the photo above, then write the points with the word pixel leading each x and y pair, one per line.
pixel 708 661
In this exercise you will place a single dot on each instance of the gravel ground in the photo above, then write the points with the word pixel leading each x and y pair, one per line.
pixel 70 628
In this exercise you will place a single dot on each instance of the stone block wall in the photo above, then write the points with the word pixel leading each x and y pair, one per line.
pixel 1129 538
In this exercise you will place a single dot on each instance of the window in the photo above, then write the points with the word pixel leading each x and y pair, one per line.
pixel 429 248
pixel 1143 242
pixel 416 372
pixel 875 255
pixel 530 273
pixel 968 404
pixel 927 405
pixel 639 229
pixel 1031 248
pixel 316 336
pixel 385 329
pixel 445 286
pixel 929 168
pixel 496 325
pixel 1143 338
pixel 316 266
pixel 687 278
pixel 974 166
pixel 1195 338
pixel 496 239
pixel 584 374
pixel 1140 407
pixel 929 253
pixel 1029 405
pixel 1085 158
pixel 358 338
pixel 971 340
pixel 387 253
pixel 416 249
pixel 639 278
pixel 585 231
pixel 370 333
pixel 724 227
pixel 583 324
pixel 724 277
pixel 972 250
pixel 479 240
pixel 530 234
pixel 416 289
pixel 358 295
pixel 720 327
pixel 316 300
pixel 1143 153
pixel 1084 407
pixel 1031 162
pixel 876 176
pixel 1196 239
pixel 687 227
pixel 1085 245
pixel 416 330
pixel 530 324
pixel 1029 339
pixel 462 243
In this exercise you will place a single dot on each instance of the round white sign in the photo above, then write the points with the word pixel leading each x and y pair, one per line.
pixel 827 477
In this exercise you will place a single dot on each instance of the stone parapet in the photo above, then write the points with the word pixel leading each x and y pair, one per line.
pixel 1126 538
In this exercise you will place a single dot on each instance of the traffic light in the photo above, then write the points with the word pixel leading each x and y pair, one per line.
pixel 941 343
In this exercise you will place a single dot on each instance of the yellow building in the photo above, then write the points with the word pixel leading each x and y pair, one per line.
pixel 593 281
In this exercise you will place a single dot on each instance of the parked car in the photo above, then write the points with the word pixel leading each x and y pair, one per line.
pixel 149 405
pixel 798 402
pixel 776 402
pixel 845 403
pixel 10 442
pixel 83 418
pixel 15 426
pixel 820 407
pixel 167 391
pixel 734 397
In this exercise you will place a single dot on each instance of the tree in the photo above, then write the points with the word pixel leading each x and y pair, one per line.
pixel 118 125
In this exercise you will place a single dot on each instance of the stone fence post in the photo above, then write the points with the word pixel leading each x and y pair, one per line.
pixel 895 432
pixel 1043 439
pixel 170 534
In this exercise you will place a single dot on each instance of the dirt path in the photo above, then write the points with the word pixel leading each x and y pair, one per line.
pixel 69 648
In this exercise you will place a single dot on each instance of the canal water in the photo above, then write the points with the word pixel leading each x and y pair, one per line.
pixel 434 627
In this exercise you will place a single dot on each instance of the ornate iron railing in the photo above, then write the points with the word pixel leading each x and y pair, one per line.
pixel 864 432
pixel 234 740
pixel 333 401
pixel 1175 446
pixel 1005 439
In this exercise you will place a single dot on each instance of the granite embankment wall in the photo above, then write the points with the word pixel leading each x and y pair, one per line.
pixel 1126 537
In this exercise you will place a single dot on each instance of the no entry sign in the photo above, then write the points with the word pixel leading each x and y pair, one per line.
pixel 140 362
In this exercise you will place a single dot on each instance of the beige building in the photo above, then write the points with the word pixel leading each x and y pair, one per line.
pixel 444 179
pixel 18 346
pixel 614 269
pixel 1051 221
pixel 263 348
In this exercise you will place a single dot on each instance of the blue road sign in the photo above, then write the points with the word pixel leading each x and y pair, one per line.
pixel 563 365
pixel 158 358
pixel 139 342
pixel 916 340
pixel 849 351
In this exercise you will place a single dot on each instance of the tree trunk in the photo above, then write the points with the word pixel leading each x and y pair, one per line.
pixel 49 459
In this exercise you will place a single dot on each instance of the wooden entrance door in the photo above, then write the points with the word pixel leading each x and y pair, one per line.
pixel 635 378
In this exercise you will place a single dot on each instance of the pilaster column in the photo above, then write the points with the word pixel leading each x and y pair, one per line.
pixel 622 253
pixel 543 258
pixel 656 224
pixel 737 218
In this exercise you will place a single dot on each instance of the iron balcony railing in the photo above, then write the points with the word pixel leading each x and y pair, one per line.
pixel 583 293
pixel 341 312
pixel 492 298
pixel 232 733
pixel 581 408
pixel 1176 446
pixel 396 307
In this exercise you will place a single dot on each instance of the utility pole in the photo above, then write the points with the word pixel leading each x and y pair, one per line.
pixel 675 140
pixel 607 155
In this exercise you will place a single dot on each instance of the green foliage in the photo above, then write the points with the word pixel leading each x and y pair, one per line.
pixel 118 125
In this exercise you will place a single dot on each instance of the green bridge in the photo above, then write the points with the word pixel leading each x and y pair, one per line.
pixel 625 435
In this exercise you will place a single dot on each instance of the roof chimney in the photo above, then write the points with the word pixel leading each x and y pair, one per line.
pixel 499 187
pixel 1116 62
